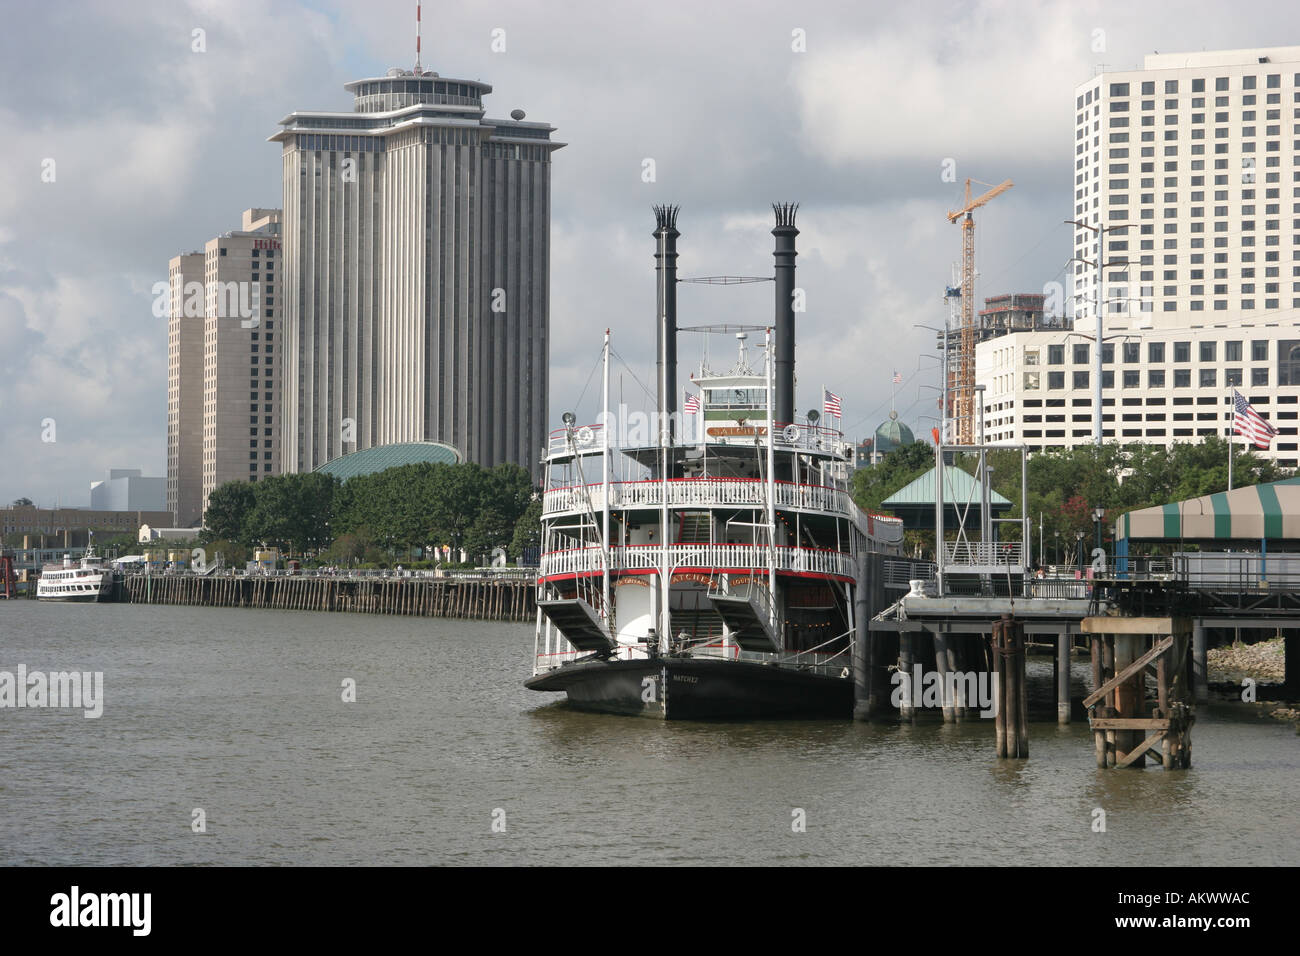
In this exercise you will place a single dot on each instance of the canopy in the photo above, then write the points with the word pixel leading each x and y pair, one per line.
pixel 1252 513
pixel 914 503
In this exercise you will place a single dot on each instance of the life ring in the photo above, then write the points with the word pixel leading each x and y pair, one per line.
pixel 585 435
pixel 791 433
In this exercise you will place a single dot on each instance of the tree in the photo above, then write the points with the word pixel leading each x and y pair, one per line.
pixel 528 530
pixel 229 507
pixel 22 503
pixel 293 511
pixel 872 485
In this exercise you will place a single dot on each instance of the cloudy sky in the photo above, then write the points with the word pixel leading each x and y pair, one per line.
pixel 157 148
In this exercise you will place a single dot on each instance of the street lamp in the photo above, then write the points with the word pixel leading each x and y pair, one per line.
pixel 1100 265
pixel 1078 536
pixel 1057 535
pixel 1098 516
pixel 943 423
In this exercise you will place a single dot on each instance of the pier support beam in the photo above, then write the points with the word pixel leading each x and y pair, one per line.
pixel 863 641
pixel 1012 721
pixel 1128 698
pixel 1200 665
pixel 906 711
pixel 1063 678
pixel 943 667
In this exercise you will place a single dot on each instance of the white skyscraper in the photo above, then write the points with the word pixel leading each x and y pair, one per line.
pixel 1191 166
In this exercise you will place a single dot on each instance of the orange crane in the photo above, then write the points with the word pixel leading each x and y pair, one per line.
pixel 961 380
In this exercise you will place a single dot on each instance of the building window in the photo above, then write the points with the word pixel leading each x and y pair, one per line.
pixel 1259 376
pixel 1232 351
pixel 1055 356
pixel 1081 379
pixel 1182 378
pixel 1207 351
pixel 1131 378
pixel 1182 351
pixel 1156 378
pixel 1155 352
pixel 1259 350
pixel 1081 354
pixel 1132 352
pixel 1232 377
pixel 1209 377
pixel 1056 380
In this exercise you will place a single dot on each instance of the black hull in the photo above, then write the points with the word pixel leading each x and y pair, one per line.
pixel 699 689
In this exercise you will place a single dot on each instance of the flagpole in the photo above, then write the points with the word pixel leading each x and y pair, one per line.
pixel 1231 429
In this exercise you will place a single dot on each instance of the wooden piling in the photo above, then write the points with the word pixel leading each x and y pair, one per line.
pixel 1063 678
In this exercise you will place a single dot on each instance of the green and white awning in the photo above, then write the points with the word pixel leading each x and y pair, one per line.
pixel 1250 514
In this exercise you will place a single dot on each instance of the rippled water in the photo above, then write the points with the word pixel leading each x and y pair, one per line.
pixel 239 712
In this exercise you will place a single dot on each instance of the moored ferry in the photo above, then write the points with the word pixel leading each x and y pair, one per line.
pixel 712 564
pixel 84 580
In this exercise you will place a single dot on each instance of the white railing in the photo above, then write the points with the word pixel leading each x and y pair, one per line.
pixel 694 557
pixel 983 554
pixel 802 436
pixel 696 492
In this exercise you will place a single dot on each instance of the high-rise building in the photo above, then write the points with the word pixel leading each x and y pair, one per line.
pixel 185 393
pixel 1187 184
pixel 416 278
pixel 224 371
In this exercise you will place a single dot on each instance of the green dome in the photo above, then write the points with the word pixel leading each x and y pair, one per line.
pixel 892 434
pixel 370 460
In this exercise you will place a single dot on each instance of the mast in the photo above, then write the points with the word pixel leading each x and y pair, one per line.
pixel 604 531
pixel 771 485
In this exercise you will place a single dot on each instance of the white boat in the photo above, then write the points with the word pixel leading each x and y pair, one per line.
pixel 84 580
pixel 711 565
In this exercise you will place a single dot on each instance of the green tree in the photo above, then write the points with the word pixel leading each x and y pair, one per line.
pixel 872 485
pixel 229 507
pixel 528 530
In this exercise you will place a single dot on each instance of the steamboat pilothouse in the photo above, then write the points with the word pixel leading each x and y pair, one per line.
pixel 711 564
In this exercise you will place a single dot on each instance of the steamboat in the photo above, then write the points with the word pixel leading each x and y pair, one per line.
pixel 711 564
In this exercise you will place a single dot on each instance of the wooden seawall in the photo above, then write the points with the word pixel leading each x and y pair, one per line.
pixel 475 599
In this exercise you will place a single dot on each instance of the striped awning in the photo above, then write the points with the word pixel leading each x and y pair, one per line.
pixel 1252 513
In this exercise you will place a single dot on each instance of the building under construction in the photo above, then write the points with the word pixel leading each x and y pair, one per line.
pixel 1001 315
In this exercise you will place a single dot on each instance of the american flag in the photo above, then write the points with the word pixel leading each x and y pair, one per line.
pixel 831 404
pixel 1246 421
pixel 692 404
pixel 898 379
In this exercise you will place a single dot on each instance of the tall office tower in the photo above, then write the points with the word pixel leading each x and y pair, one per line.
pixel 184 394
pixel 224 392
pixel 1191 169
pixel 416 279
pixel 241 374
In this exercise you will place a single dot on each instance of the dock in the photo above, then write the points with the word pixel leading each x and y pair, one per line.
pixel 478 598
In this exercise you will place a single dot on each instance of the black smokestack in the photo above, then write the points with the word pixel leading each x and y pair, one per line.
pixel 783 372
pixel 666 281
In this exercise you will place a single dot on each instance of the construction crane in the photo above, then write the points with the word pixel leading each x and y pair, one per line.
pixel 961 380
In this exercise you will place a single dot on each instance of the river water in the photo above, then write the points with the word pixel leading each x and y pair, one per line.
pixel 239 713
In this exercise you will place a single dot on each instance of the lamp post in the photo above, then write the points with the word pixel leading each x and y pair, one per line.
pixel 1078 536
pixel 943 364
pixel 1057 535
pixel 1101 265
pixel 1098 516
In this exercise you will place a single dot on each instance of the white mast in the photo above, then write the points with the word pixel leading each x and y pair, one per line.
pixel 771 484
pixel 604 533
